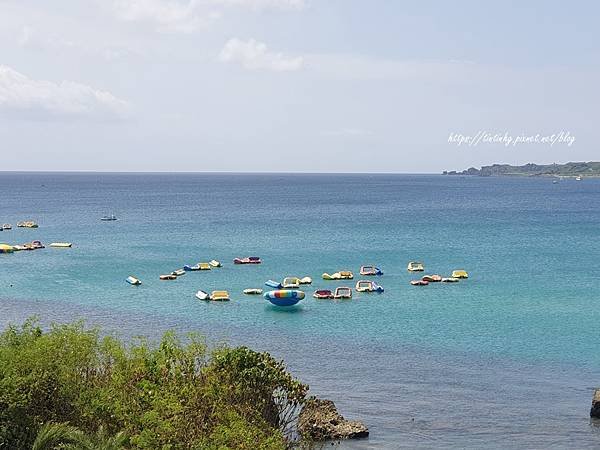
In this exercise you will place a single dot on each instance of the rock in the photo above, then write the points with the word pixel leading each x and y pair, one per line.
pixel 595 411
pixel 320 420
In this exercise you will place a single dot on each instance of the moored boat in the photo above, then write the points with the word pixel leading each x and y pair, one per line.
pixel 419 282
pixel 178 272
pixel 247 260
pixel 342 292
pixel 133 280
pixel 306 280
pixel 61 244
pixel 204 266
pixel 432 278
pixel 201 295
pixel 189 268
pixel 415 266
pixel 341 275
pixel 368 286
pixel 284 297
pixel 273 284
pixel 370 270
pixel 253 291
pixel 291 283
pixel 108 218
pixel 6 248
pixel 36 245
pixel 323 294
pixel 27 224
pixel 214 263
pixel 460 274
pixel 6 226
pixel 167 277
pixel 450 280
pixel 219 296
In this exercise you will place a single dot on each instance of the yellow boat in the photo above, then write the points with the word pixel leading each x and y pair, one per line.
pixel 27 224
pixel 341 275
pixel 460 274
pixel 204 266
pixel 219 296
pixel 5 248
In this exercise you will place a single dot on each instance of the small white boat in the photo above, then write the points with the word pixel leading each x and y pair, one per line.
pixel 450 280
pixel 6 226
pixel 167 277
pixel 342 293
pixel 108 218
pixel 306 280
pixel 178 272
pixel 578 178
pixel 201 295
pixel 253 291
pixel 133 280
pixel 61 245
pixel 214 263
pixel 414 266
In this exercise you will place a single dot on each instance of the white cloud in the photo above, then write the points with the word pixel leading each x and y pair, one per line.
pixel 187 16
pixel 254 55
pixel 20 94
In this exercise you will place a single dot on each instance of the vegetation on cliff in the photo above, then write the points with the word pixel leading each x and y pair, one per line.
pixel 70 387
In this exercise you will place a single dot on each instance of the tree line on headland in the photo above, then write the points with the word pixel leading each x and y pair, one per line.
pixel 570 169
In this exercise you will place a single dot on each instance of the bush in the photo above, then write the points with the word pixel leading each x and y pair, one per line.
pixel 171 396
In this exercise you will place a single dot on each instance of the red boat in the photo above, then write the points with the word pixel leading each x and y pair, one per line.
pixel 419 282
pixel 248 260
pixel 323 294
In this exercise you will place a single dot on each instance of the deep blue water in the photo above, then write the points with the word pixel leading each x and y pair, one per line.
pixel 505 359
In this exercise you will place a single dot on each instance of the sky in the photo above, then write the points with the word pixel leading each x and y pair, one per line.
pixel 296 85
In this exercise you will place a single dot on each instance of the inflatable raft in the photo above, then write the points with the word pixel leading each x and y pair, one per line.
pixel 133 280
pixel 284 297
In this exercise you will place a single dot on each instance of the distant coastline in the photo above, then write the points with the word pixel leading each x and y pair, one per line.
pixel 570 169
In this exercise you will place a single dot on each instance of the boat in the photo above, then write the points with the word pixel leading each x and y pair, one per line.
pixel 432 278
pixel 5 248
pixel 273 284
pixel 306 280
pixel 168 277
pixel 189 268
pixel 248 260
pixel 415 266
pixel 108 218
pixel 323 294
pixel 61 244
pixel 27 224
pixel 18 248
pixel 370 270
pixel 342 293
pixel 419 282
pixel 284 297
pixel 450 280
pixel 253 291
pixel 341 275
pixel 7 226
pixel 219 296
pixel 37 245
pixel 460 274
pixel 291 283
pixel 578 178
pixel 214 263
pixel 133 280
pixel 178 272
pixel 201 295
pixel 368 286
pixel 204 266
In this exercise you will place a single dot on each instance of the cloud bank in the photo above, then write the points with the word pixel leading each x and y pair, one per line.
pixel 21 94
pixel 254 55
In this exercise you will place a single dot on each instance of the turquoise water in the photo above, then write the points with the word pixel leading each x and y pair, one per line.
pixel 473 363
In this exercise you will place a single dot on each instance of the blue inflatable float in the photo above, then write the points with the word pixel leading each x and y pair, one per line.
pixel 284 297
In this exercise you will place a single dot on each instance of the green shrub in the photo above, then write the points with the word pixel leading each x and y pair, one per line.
pixel 171 396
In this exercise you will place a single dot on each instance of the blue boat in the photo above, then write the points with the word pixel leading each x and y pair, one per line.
pixel 189 268
pixel 273 284
pixel 285 297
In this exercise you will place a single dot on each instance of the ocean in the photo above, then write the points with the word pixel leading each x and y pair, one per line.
pixel 506 359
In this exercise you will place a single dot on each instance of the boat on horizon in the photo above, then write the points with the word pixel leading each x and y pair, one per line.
pixel 108 218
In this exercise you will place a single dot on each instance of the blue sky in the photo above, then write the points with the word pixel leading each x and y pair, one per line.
pixel 293 85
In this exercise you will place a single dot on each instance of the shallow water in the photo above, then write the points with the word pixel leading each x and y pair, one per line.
pixel 507 358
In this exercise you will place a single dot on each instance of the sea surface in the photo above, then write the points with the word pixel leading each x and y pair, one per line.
pixel 506 359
